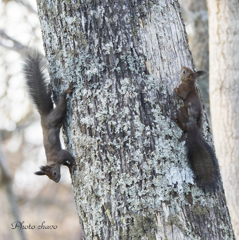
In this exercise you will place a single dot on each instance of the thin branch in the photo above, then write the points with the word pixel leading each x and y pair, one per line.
pixel 17 46
pixel 27 5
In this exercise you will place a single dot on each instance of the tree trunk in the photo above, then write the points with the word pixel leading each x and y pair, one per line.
pixel 133 180
pixel 224 93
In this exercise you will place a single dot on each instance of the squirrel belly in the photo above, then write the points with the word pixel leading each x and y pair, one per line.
pixel 51 118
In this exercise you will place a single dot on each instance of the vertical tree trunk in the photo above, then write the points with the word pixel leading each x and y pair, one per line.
pixel 132 180
pixel 224 93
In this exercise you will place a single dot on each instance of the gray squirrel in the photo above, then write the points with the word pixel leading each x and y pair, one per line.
pixel 200 154
pixel 51 118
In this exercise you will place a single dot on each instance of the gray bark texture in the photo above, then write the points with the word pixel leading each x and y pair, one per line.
pixel 132 180
pixel 224 96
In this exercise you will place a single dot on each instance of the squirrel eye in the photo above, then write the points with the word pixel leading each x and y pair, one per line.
pixel 184 72
pixel 54 173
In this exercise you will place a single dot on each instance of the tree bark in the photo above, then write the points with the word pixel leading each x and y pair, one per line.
pixel 133 180
pixel 224 93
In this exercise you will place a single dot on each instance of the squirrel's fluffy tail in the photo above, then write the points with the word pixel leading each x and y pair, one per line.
pixel 36 80
pixel 202 159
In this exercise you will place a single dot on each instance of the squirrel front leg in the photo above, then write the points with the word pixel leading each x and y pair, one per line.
pixel 66 159
pixel 182 91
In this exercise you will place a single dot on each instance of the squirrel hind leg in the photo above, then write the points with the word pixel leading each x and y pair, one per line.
pixel 182 118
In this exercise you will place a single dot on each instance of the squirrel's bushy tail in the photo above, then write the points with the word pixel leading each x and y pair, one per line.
pixel 202 159
pixel 36 80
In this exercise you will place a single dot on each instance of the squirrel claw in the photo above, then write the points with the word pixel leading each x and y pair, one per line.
pixel 69 89
pixel 74 166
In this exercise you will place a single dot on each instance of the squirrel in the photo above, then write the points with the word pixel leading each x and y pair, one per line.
pixel 201 156
pixel 188 93
pixel 51 118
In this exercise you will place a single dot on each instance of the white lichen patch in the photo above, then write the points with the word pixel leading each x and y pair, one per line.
pixel 177 176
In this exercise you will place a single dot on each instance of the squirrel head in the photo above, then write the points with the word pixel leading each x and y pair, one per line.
pixel 189 75
pixel 52 171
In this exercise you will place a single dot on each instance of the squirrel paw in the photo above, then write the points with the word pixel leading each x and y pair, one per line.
pixel 71 166
pixel 69 89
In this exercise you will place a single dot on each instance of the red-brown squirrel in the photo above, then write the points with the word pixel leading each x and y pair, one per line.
pixel 51 118
pixel 188 93
pixel 200 154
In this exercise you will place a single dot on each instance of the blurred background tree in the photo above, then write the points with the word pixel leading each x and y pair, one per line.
pixel 22 151
pixel 224 96
pixel 195 16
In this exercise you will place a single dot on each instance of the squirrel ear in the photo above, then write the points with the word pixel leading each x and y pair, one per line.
pixel 201 73
pixel 40 173
pixel 45 168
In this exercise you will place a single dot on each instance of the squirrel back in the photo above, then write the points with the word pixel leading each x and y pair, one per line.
pixel 36 80
pixel 201 157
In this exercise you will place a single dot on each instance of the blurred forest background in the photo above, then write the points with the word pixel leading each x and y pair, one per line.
pixel 23 195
